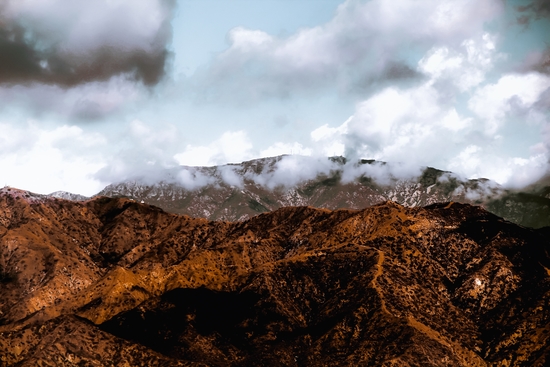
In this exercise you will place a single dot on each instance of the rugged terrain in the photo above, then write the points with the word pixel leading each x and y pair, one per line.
pixel 114 282
pixel 240 191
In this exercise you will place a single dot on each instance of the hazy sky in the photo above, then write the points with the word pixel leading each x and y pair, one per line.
pixel 93 92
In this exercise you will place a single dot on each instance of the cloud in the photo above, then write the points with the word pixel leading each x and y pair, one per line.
pixel 230 176
pixel 493 102
pixel 489 135
pixel 45 160
pixel 71 42
pixel 230 147
pixel 399 126
pixel 513 172
pixel 89 101
pixel 538 61
pixel 329 140
pixel 192 179
pixel 361 47
pixel 280 148
pixel 291 170
pixel 141 152
pixel 381 172
pixel 533 10
pixel 464 66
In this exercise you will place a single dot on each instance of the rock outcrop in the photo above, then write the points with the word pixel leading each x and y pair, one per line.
pixel 117 283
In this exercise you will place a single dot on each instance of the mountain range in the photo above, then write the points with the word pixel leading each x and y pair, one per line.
pixel 240 191
pixel 113 282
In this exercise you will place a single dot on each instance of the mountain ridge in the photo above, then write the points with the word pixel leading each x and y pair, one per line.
pixel 240 191
pixel 115 280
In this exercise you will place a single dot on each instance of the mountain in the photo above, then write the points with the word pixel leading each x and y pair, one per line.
pixel 113 282
pixel 68 196
pixel 240 191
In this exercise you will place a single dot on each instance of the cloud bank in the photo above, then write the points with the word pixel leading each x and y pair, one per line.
pixel 365 45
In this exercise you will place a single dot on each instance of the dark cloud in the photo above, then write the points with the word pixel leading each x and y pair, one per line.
pixel 543 64
pixel 392 72
pixel 18 61
pixel 533 10
pixel 398 71
pixel 543 104
pixel 34 49
pixel 538 61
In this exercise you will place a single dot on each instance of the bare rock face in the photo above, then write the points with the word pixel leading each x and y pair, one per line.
pixel 113 282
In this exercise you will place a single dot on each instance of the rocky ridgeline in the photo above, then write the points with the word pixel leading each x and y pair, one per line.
pixel 118 283
pixel 240 191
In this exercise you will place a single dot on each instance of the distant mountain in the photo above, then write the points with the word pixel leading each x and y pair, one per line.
pixel 112 282
pixel 68 196
pixel 240 191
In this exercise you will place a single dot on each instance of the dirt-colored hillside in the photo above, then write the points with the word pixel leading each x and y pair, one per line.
pixel 111 282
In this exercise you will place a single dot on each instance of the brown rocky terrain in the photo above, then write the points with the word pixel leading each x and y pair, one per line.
pixel 112 282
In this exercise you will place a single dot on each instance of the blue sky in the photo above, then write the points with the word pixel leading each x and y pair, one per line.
pixel 98 92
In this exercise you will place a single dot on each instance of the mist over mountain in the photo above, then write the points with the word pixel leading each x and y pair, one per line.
pixel 240 191
pixel 113 282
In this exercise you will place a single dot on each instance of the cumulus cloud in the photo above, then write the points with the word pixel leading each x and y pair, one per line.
pixel 329 140
pixel 360 47
pixel 493 101
pixel 142 152
pixel 45 160
pixel 422 124
pixel 465 66
pixel 232 146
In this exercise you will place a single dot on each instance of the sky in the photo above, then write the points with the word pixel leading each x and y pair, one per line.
pixel 97 92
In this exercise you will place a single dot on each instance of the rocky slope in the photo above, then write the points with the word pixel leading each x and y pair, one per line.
pixel 117 283
pixel 240 191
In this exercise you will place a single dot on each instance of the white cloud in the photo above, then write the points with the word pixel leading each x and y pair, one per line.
pixel 230 177
pixel 285 148
pixel 397 125
pixel 293 169
pixel 515 172
pixel 245 39
pixel 43 163
pixel 492 102
pixel 363 43
pixel 230 147
pixel 382 173
pixel 191 179
pixel 329 141
pixel 465 66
